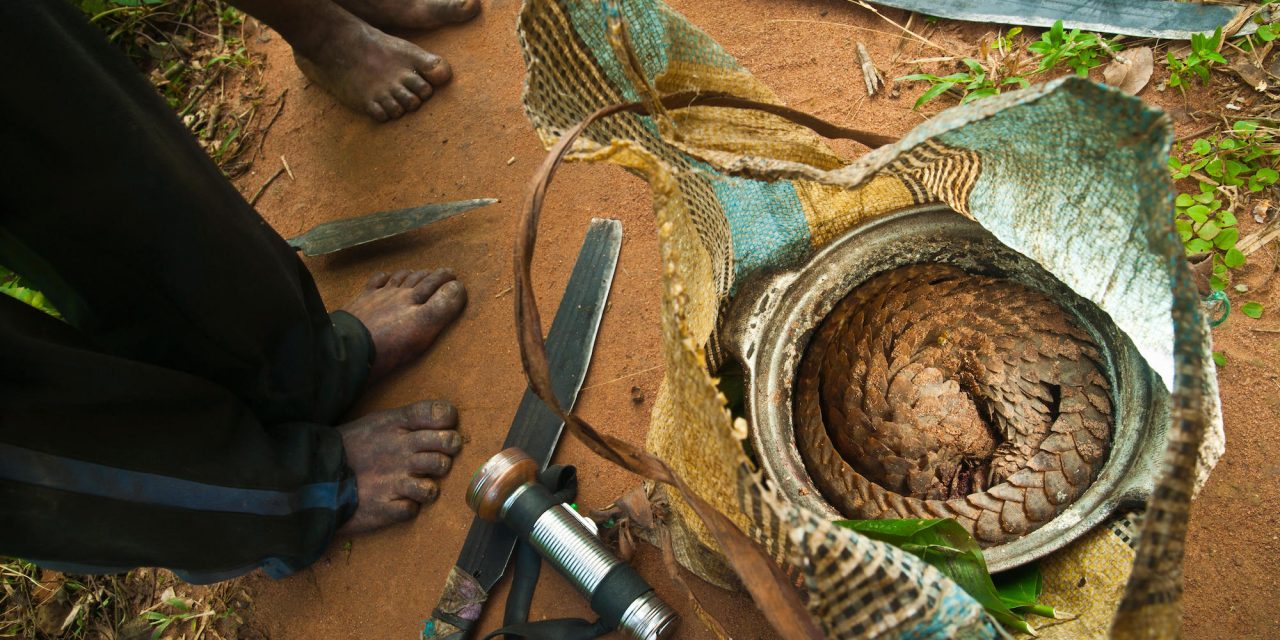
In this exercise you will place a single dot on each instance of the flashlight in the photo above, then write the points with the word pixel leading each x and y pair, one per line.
pixel 506 490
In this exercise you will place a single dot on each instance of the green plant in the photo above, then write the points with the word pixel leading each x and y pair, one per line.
pixel 1204 54
pixel 973 84
pixel 1225 168
pixel 1078 50
pixel 1004 63
pixel 945 545
pixel 11 284
pixel 1252 309
pixel 184 613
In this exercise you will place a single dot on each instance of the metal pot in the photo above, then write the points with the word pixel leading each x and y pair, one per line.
pixel 772 319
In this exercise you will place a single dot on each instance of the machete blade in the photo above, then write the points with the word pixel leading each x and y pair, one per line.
pixel 341 234
pixel 535 429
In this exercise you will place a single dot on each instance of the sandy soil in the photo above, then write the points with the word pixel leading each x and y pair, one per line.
pixel 472 140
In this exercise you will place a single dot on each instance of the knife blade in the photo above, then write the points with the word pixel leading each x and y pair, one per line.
pixel 535 428
pixel 336 235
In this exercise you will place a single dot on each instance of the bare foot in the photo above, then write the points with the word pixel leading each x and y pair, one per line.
pixel 412 14
pixel 404 313
pixel 395 454
pixel 370 71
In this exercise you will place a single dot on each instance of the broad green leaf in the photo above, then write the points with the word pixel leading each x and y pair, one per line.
pixel 1198 245
pixel 1245 126
pixel 1220 358
pixel 1209 230
pixel 1201 147
pixel 1267 175
pixel 1184 200
pixel 1204 197
pixel 1217 283
pixel 950 549
pixel 1233 258
pixel 1198 212
pixel 1252 309
pixel 1226 239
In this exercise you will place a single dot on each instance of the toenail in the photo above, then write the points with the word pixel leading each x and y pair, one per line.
pixel 439 410
pixel 454 442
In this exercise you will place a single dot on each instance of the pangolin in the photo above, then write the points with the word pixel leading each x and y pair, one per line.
pixel 929 392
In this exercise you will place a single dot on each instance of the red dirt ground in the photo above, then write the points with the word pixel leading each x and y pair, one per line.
pixel 459 145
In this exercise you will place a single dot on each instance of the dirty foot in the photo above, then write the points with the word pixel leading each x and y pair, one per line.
pixel 412 14
pixel 370 71
pixel 394 454
pixel 404 313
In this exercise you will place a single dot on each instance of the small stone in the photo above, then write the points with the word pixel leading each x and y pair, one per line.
pixel 511 161
pixel 637 395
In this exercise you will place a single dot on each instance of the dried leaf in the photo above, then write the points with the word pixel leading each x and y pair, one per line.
pixel 1252 74
pixel 1131 71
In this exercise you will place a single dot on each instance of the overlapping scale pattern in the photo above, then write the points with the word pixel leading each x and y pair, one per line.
pixel 929 392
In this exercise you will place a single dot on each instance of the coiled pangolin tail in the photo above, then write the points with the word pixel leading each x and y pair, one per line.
pixel 929 392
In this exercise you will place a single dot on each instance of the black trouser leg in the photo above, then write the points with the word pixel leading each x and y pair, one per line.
pixel 108 463
pixel 112 209
pixel 179 419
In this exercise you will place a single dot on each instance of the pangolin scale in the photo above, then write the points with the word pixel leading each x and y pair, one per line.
pixel 929 392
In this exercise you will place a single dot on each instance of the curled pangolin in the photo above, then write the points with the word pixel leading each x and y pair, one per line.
pixel 929 392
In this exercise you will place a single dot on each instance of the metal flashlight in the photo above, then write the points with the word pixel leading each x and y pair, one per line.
pixel 506 490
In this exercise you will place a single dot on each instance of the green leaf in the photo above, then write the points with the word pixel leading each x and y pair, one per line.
pixel 1217 283
pixel 1198 212
pixel 1184 200
pixel 1214 168
pixel 933 92
pixel 1245 126
pixel 1204 197
pixel 1201 147
pixel 950 549
pixel 1267 175
pixel 1252 309
pixel 1226 219
pixel 1226 239
pixel 1209 230
pixel 1266 33
pixel 1233 258
pixel 1198 245
pixel 1220 358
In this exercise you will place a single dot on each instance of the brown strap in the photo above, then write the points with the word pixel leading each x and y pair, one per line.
pixel 772 592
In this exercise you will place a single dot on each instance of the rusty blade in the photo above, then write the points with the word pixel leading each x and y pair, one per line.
pixel 341 234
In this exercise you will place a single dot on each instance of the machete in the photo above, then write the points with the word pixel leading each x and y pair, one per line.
pixel 535 429
pixel 336 235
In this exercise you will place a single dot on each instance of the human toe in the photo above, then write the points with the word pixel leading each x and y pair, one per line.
pixel 446 303
pixel 429 414
pixel 376 111
pixel 407 99
pixel 398 277
pixel 418 85
pixel 389 104
pixel 420 490
pixel 430 464
pixel 446 441
pixel 377 280
pixel 454 10
pixel 430 283
pixel 433 68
